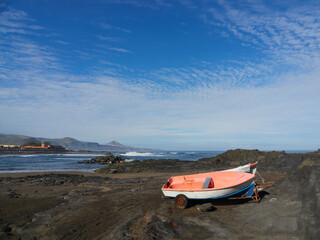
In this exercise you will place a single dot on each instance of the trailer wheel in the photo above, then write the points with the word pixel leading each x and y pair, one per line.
pixel 181 201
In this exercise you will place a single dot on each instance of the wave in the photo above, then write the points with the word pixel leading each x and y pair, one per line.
pixel 7 155
pixel 190 153
pixel 49 170
pixel 29 155
pixel 128 160
pixel 18 155
pixel 140 154
pixel 82 155
pixel 73 158
pixel 65 158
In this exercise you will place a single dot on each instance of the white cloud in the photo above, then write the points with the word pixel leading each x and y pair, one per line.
pixel 235 104
pixel 111 39
pixel 152 4
pixel 119 50
pixel 108 26
pixel 106 108
pixel 62 42
pixel 16 21
pixel 291 36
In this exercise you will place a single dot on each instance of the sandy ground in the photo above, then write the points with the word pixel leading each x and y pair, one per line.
pixel 130 206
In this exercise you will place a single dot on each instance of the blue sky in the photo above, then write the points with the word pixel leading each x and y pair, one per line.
pixel 176 75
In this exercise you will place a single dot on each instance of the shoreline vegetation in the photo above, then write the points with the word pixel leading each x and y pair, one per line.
pixel 128 204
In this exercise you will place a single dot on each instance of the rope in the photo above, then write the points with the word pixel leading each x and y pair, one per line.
pixel 260 176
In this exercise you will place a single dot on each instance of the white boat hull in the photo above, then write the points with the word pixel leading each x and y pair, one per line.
pixel 210 193
pixel 248 168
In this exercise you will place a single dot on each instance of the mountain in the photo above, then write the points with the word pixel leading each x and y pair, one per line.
pixel 67 142
pixel 8 139
pixel 116 144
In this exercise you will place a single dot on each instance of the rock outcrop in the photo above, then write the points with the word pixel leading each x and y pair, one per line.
pixel 108 159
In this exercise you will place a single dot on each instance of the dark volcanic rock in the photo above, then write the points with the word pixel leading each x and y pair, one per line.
pixel 108 159
pixel 291 211
pixel 51 179
pixel 282 160
pixel 205 207
pixel 59 206
pixel 159 228
pixel 163 165
pixel 304 188
pixel 13 194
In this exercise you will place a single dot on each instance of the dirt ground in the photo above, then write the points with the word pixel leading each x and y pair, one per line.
pixel 130 206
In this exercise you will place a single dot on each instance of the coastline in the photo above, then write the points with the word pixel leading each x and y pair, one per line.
pixel 86 174
pixel 50 152
pixel 128 205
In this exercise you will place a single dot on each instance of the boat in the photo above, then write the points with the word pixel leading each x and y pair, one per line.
pixel 248 168
pixel 211 185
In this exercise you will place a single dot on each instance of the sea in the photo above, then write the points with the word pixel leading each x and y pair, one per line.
pixel 69 162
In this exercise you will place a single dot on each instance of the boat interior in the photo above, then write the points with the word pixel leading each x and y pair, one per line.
pixel 192 184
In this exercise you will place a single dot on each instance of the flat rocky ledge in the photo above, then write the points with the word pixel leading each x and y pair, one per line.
pixel 108 159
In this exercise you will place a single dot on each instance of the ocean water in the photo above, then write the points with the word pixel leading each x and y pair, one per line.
pixel 69 162
pixel 46 163
pixel 186 156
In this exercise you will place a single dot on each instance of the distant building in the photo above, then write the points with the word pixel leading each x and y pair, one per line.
pixel 43 147
pixel 9 147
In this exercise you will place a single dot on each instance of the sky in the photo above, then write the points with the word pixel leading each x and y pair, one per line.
pixel 174 75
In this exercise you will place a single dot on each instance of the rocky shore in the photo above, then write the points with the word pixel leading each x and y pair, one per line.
pixel 108 159
pixel 267 160
pixel 128 205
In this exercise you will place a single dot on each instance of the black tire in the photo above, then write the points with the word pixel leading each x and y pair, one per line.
pixel 181 201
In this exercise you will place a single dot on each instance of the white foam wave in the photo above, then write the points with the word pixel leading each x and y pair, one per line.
pixel 82 155
pixel 139 154
pixel 27 155
pixel 128 160
pixel 64 158
pixel 48 170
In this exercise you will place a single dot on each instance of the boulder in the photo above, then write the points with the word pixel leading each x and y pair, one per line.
pixel 205 207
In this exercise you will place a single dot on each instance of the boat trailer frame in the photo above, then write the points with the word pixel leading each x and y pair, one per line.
pixel 255 196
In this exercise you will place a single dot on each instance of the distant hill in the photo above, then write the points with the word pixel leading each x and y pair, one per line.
pixel 15 139
pixel 68 143
pixel 116 144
